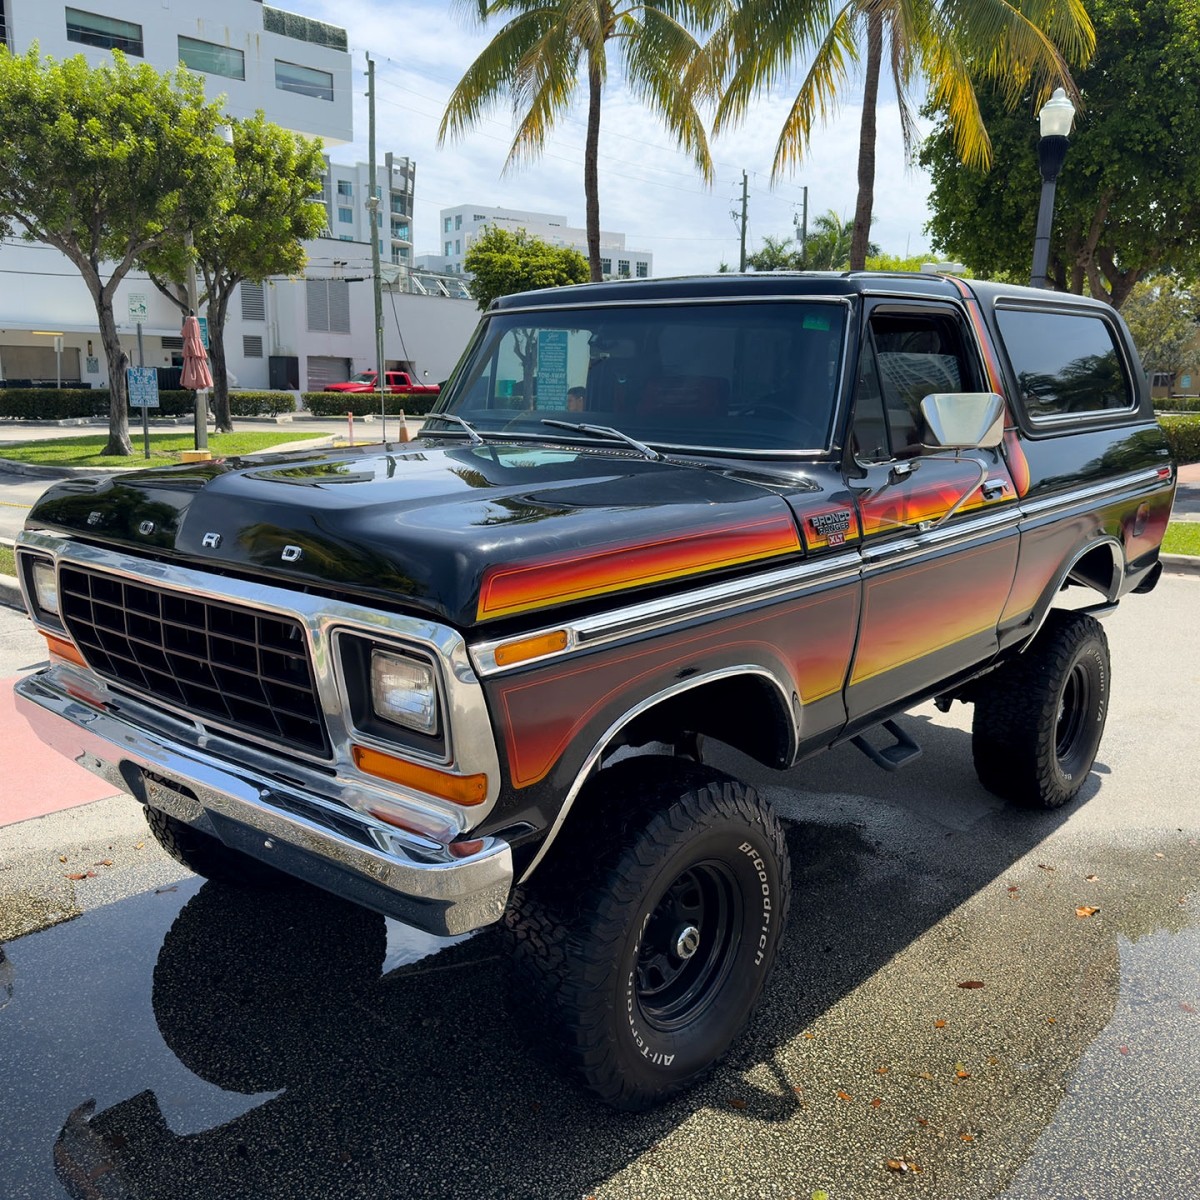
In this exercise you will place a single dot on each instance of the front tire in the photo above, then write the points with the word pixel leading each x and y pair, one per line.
pixel 645 943
pixel 206 856
pixel 1039 720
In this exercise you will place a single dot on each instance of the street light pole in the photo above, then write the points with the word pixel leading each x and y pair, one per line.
pixel 1055 118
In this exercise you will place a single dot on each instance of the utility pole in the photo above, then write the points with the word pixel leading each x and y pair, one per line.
pixel 373 209
pixel 745 203
pixel 802 229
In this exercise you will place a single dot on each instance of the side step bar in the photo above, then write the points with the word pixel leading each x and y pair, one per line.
pixel 891 758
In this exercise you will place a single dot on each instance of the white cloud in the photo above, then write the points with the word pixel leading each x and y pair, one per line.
pixel 649 190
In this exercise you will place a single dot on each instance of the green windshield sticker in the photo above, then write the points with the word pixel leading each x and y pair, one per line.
pixel 816 321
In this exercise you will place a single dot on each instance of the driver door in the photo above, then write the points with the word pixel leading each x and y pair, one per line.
pixel 933 589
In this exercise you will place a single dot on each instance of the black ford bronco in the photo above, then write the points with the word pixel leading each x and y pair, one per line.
pixel 472 678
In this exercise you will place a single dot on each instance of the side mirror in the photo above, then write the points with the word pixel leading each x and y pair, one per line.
pixel 964 420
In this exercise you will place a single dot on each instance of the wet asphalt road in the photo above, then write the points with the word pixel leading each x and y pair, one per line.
pixel 176 1039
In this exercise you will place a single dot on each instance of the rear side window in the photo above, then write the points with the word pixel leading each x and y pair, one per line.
pixel 1067 364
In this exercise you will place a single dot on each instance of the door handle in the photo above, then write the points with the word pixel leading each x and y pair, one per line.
pixel 993 489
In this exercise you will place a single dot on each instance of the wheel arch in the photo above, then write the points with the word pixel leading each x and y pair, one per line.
pixel 1099 565
pixel 768 727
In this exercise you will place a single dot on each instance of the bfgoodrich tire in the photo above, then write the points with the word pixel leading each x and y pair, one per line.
pixel 646 942
pixel 1038 721
pixel 206 856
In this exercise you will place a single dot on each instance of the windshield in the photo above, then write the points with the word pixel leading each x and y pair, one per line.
pixel 758 375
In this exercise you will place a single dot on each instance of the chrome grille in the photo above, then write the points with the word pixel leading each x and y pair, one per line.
pixel 243 670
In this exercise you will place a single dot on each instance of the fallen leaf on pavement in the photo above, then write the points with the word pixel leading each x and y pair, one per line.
pixel 971 983
pixel 62 858
pixel 104 862
pixel 845 1096
pixel 922 1122
pixel 939 1024
pixel 1092 878
pixel 1159 854
pixel 1044 867
pixel 961 1072
pixel 876 1101
pixel 926 1075
pixel 82 875
pixel 1186 1006
pixel 882 1070
pixel 1013 890
pixel 902 1165
pixel 810 1036
pixel 1123 1049
pixel 738 1104
pixel 1086 910
pixel 967 1137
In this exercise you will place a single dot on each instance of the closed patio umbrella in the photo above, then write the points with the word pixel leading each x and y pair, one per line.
pixel 195 361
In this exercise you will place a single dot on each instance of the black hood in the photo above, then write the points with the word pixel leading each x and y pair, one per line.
pixel 425 525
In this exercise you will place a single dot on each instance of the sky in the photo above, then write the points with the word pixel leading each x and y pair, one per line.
pixel 649 190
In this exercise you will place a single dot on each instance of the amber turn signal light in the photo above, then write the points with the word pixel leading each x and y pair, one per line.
pixel 467 790
pixel 63 650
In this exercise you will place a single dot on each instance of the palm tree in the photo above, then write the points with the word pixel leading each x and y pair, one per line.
pixel 946 44
pixel 544 48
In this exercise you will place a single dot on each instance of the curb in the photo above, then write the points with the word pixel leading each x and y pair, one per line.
pixel 10 593
pixel 1180 564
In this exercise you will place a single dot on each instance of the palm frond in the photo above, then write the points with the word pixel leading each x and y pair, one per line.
pixel 819 94
pixel 762 39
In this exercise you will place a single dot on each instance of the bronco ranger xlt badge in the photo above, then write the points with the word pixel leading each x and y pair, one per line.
pixel 478 681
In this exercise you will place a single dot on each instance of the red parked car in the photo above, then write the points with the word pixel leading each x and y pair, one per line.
pixel 396 381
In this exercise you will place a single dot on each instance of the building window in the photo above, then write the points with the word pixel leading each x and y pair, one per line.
pixel 345 237
pixel 457 245
pixel 108 33
pixel 328 303
pixel 303 29
pixel 254 307
pixel 449 249
pixel 252 345
pixel 304 81
pixel 400 230
pixel 642 269
pixel 211 58
pixel 458 221
pixel 478 217
pixel 623 268
pixel 346 216
pixel 446 225
pixel 345 187
pixel 606 266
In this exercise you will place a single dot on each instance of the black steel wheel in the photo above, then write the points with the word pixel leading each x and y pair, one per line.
pixel 645 940
pixel 1039 719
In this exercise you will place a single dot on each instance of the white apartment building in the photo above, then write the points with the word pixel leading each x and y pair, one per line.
pixel 460 226
pixel 294 334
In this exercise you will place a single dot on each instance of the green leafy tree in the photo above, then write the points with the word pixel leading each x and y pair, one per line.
pixel 545 48
pixel 104 163
pixel 775 254
pixel 827 248
pixel 1162 314
pixel 253 230
pixel 945 44
pixel 502 261
pixel 1128 196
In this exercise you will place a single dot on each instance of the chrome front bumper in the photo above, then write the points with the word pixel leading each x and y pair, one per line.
pixel 402 875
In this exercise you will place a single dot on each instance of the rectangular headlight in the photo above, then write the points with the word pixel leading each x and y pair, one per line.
pixel 404 692
pixel 45 586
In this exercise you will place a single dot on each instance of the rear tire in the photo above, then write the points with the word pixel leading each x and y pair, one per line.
pixel 644 944
pixel 205 855
pixel 1039 719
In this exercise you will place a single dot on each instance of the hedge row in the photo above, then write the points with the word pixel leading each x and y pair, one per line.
pixel 55 404
pixel 1177 404
pixel 1183 436
pixel 363 404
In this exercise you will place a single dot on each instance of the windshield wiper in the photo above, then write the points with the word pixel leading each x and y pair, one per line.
pixel 609 432
pixel 472 432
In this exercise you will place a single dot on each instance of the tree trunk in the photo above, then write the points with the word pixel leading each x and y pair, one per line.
pixel 591 174
pixel 217 311
pixel 866 143
pixel 118 391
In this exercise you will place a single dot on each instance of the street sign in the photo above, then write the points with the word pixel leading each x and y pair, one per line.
pixel 203 330
pixel 143 387
pixel 138 307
